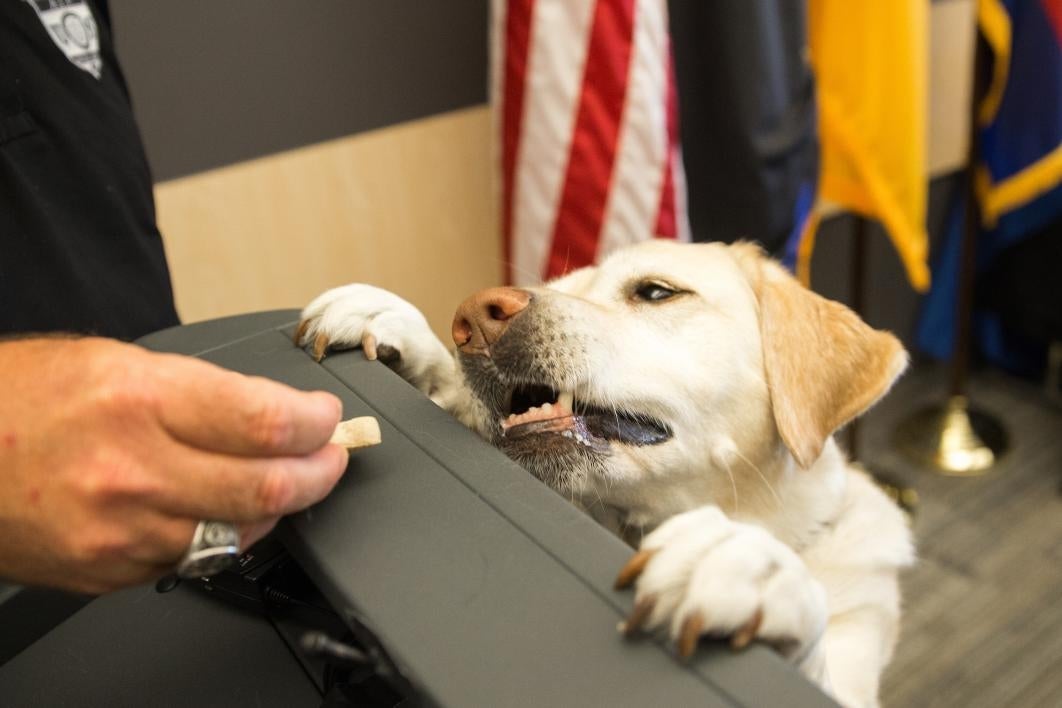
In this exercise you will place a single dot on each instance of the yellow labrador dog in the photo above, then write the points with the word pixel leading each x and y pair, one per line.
pixel 685 396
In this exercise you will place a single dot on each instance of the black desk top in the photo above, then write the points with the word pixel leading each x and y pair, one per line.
pixel 139 648
pixel 485 586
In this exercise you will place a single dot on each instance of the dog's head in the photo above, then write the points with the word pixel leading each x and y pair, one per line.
pixel 664 365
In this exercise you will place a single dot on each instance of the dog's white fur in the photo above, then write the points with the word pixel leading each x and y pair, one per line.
pixel 750 505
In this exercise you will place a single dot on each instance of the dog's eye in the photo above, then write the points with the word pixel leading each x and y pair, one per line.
pixel 653 291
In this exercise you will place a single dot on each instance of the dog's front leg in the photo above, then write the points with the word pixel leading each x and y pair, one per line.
pixel 387 328
pixel 702 574
pixel 861 633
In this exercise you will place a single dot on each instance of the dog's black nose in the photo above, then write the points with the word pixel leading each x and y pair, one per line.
pixel 483 318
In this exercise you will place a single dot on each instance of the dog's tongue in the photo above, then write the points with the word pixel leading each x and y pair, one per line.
pixel 552 418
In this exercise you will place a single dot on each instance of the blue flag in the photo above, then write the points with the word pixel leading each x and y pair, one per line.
pixel 1019 180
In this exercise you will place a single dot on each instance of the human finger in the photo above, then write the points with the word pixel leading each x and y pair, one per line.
pixel 214 409
pixel 206 485
pixel 167 542
pixel 251 534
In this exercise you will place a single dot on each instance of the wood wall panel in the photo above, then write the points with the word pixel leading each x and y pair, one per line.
pixel 408 208
pixel 951 52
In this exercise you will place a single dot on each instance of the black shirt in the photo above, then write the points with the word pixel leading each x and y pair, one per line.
pixel 79 248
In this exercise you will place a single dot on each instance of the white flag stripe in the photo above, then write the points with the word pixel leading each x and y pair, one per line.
pixel 638 174
pixel 496 57
pixel 558 35
pixel 682 217
pixel 559 38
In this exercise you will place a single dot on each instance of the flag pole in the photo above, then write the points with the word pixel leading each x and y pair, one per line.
pixel 905 495
pixel 855 292
pixel 955 438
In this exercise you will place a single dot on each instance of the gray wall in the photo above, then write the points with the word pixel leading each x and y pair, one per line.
pixel 221 81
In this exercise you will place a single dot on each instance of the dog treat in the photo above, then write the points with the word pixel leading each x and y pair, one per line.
pixel 357 432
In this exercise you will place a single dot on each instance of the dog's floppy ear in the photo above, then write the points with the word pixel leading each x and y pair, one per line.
pixel 824 365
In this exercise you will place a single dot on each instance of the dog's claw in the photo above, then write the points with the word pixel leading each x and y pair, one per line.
pixel 320 346
pixel 630 572
pixel 368 345
pixel 690 634
pixel 642 609
pixel 300 332
pixel 747 632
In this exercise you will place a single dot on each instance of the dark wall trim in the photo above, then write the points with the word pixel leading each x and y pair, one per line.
pixel 215 83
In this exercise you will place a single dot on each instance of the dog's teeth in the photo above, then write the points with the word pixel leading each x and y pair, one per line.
pixel 565 400
pixel 546 411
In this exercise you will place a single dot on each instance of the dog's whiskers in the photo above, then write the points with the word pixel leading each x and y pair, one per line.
pixel 733 485
pixel 597 493
pixel 777 499
pixel 527 275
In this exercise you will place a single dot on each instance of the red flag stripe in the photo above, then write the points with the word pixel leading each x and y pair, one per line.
pixel 1053 10
pixel 593 149
pixel 518 19
pixel 666 225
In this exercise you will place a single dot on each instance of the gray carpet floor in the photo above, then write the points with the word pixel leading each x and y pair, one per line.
pixel 982 622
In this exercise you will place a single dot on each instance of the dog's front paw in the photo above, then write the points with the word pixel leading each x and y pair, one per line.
pixel 384 325
pixel 702 574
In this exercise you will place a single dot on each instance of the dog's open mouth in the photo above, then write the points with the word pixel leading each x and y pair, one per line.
pixel 536 410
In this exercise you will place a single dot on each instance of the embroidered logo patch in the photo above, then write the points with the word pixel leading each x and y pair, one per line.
pixel 72 27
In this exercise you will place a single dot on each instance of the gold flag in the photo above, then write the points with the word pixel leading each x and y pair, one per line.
pixel 871 63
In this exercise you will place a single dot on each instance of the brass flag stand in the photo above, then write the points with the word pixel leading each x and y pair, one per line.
pixel 953 438
pixel 956 438
pixel 904 495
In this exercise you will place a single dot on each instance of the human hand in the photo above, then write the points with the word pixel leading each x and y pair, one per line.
pixel 110 455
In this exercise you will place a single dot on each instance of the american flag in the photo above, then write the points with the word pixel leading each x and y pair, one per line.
pixel 586 119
